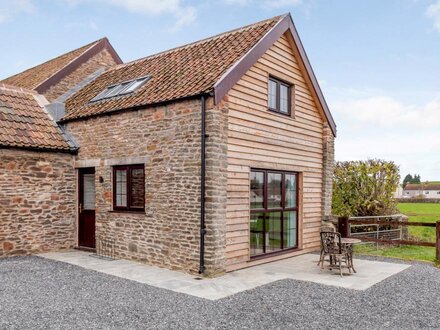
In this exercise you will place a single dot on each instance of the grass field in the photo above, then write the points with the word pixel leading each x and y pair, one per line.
pixel 421 212
pixel 418 212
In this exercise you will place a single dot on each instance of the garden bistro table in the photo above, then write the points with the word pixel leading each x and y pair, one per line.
pixel 347 244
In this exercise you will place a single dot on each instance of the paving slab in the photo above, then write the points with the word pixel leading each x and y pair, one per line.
pixel 303 268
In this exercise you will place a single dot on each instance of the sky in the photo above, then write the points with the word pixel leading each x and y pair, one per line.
pixel 377 61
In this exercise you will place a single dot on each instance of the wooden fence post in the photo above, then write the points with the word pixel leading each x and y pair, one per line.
pixel 343 226
pixel 437 240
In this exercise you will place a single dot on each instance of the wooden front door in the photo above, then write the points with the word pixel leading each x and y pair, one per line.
pixel 86 208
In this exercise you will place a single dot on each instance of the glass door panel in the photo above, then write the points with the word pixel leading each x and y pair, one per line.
pixel 290 184
pixel 257 190
pixel 274 190
pixel 273 231
pixel 290 229
pixel 257 234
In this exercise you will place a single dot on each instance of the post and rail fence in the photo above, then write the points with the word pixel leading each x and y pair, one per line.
pixel 344 224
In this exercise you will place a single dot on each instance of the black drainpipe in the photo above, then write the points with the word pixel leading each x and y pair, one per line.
pixel 202 189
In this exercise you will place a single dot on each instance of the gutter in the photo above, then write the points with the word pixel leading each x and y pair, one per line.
pixel 132 108
pixel 72 151
pixel 202 187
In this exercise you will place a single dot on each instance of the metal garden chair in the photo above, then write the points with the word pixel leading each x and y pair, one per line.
pixel 331 246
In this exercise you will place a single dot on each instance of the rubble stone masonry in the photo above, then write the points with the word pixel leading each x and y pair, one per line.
pixel 216 187
pixel 166 139
pixel 37 202
pixel 328 167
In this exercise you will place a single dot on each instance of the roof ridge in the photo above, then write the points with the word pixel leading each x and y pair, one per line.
pixel 242 28
pixel 87 46
pixel 13 88
pixel 91 45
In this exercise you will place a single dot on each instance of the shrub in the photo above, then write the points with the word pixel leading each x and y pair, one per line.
pixel 365 188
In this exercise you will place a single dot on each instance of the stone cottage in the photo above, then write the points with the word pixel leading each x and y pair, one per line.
pixel 209 157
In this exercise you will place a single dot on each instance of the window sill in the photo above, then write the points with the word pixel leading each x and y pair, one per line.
pixel 284 115
pixel 127 212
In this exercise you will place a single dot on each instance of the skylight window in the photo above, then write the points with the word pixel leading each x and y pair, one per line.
pixel 123 88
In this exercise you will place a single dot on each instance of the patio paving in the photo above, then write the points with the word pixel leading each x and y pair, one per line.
pixel 304 268
pixel 40 293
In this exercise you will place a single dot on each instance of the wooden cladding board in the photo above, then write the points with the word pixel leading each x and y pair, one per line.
pixel 263 139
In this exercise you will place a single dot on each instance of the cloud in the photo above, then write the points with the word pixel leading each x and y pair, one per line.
pixel 183 14
pixel 385 111
pixel 433 12
pixel 415 151
pixel 9 9
pixel 381 126
pixel 282 3
pixel 266 3
pixel 238 2
pixel 86 25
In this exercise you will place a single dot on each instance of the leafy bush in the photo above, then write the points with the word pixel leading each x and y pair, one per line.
pixel 365 188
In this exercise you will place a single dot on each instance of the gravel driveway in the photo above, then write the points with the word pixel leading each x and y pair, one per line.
pixel 37 293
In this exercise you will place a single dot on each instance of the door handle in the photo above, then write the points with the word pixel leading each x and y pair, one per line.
pixel 80 207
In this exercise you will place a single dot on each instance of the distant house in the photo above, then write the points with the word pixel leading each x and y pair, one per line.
pixel 212 156
pixel 425 190
pixel 399 192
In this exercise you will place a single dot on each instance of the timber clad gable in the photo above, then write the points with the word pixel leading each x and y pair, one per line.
pixel 259 138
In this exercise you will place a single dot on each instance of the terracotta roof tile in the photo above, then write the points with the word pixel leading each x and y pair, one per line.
pixel 180 72
pixel 422 186
pixel 25 123
pixel 33 77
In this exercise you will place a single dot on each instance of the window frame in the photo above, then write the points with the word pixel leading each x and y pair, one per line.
pixel 279 83
pixel 122 88
pixel 128 169
pixel 266 210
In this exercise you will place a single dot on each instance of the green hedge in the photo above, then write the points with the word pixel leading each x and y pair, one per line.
pixel 365 188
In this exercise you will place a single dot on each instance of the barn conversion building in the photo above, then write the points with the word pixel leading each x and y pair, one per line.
pixel 209 157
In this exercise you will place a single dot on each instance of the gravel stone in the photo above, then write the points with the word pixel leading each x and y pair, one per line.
pixel 37 293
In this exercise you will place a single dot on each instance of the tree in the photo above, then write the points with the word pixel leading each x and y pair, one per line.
pixel 411 179
pixel 416 179
pixel 365 188
pixel 408 179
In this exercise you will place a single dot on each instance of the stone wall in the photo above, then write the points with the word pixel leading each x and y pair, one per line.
pixel 166 140
pixel 100 60
pixel 216 187
pixel 328 167
pixel 37 202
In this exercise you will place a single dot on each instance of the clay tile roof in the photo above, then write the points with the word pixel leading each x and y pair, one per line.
pixel 24 123
pixel 422 186
pixel 35 76
pixel 185 71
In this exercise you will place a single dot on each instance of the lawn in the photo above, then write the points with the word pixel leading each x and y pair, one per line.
pixel 417 212
pixel 407 252
pixel 421 212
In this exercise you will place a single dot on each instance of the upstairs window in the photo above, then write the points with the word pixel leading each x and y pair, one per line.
pixel 129 188
pixel 123 88
pixel 279 96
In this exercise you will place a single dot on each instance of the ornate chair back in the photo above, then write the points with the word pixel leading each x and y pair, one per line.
pixel 331 242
